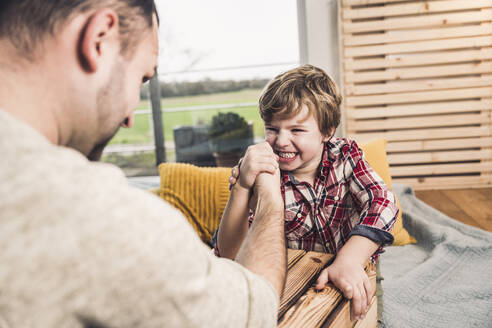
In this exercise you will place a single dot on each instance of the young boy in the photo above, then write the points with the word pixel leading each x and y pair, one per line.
pixel 334 202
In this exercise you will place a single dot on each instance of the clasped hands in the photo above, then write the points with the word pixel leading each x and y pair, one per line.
pixel 259 170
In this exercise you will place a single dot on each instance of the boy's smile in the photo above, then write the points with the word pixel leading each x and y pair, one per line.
pixel 286 156
pixel 298 142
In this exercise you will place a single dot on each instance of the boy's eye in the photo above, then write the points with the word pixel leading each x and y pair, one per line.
pixel 298 130
pixel 271 129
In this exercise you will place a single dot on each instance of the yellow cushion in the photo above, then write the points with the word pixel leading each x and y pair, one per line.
pixel 375 155
pixel 200 193
pixel 155 191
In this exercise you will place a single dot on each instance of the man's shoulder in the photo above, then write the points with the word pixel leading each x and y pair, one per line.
pixel 32 160
pixel 44 179
pixel 43 164
pixel 61 190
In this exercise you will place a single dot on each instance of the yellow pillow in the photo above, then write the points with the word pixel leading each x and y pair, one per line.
pixel 200 193
pixel 375 155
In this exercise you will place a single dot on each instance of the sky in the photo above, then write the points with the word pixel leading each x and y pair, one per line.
pixel 202 35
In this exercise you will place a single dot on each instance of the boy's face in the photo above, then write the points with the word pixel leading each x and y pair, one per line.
pixel 298 143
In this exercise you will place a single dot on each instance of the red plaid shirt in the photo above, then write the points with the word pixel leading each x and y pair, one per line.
pixel 348 198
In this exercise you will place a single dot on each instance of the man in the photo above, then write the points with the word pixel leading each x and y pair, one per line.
pixel 78 246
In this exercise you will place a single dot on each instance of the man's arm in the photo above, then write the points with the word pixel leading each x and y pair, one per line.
pixel 234 224
pixel 263 250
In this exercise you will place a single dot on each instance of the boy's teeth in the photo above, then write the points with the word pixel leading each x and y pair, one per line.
pixel 286 155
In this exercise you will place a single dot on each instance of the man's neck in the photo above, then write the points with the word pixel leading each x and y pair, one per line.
pixel 27 94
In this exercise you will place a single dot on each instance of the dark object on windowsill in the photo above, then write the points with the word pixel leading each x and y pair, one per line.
pixel 229 137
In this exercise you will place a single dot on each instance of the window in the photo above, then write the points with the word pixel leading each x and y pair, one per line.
pixel 215 57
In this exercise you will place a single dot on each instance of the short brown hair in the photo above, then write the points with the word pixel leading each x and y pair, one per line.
pixel 26 22
pixel 284 96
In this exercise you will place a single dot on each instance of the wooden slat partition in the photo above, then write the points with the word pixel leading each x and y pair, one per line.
pixel 419 74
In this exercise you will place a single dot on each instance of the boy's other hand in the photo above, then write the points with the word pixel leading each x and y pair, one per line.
pixel 234 174
pixel 258 158
pixel 353 282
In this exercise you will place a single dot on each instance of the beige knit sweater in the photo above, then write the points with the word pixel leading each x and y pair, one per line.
pixel 77 242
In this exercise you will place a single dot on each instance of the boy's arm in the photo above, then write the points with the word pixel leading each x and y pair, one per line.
pixel 234 224
pixel 376 201
pixel 378 213
pixel 347 273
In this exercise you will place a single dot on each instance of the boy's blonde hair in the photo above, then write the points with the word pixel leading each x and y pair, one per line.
pixel 284 96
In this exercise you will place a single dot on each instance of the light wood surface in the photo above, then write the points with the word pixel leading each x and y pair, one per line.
pixel 419 74
pixel 414 8
pixel 433 20
pixel 470 206
pixel 300 274
pixel 402 60
pixel 418 35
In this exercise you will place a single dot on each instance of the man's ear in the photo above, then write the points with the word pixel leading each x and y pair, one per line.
pixel 100 34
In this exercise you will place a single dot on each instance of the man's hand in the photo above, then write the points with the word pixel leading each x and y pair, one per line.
pixel 263 251
pixel 352 281
pixel 268 183
pixel 258 158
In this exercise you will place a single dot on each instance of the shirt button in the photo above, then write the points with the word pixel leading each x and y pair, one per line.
pixel 327 245
pixel 299 215
pixel 336 198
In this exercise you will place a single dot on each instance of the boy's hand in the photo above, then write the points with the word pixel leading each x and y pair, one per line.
pixel 234 174
pixel 258 158
pixel 352 281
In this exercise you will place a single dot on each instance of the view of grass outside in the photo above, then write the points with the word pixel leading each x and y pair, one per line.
pixel 143 162
pixel 141 133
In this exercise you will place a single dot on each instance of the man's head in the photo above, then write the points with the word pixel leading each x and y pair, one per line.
pixel 285 95
pixel 81 61
pixel 27 22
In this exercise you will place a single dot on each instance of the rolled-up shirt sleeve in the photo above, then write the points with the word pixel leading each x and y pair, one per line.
pixel 377 203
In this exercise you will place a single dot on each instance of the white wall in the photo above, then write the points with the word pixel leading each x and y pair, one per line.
pixel 319 39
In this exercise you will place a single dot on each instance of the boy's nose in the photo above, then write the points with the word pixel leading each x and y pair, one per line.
pixel 282 140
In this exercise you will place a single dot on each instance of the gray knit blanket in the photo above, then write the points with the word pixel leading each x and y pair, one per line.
pixel 445 280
